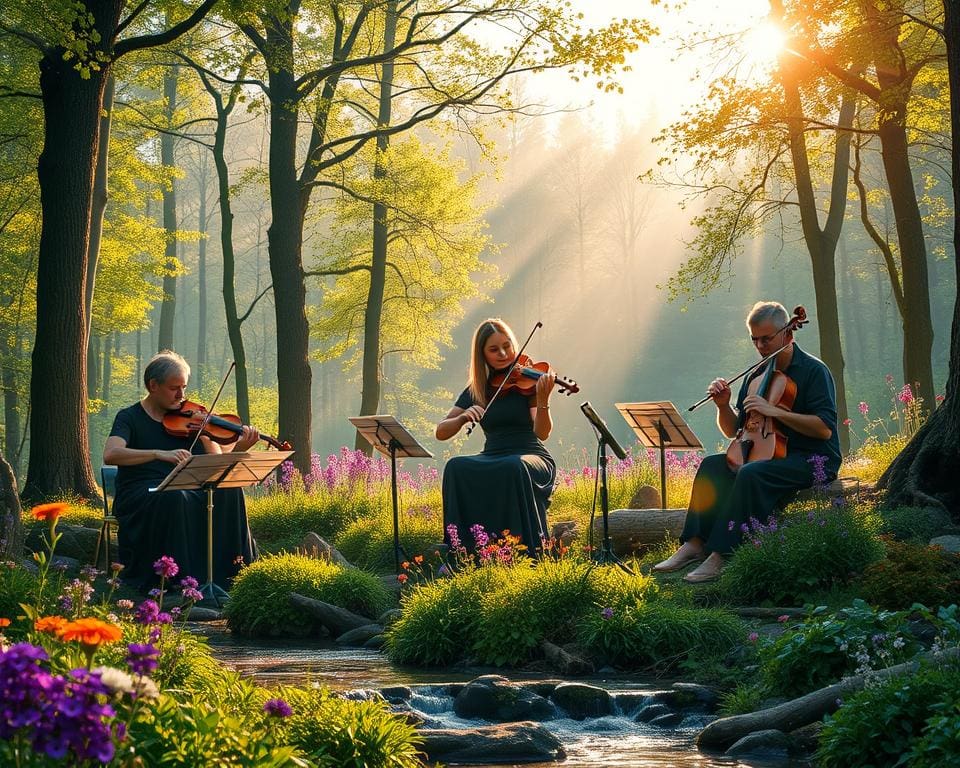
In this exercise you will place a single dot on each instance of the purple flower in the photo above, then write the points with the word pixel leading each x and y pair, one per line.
pixel 192 595
pixel 147 612
pixel 454 535
pixel 819 470
pixel 277 708
pixel 753 637
pixel 166 567
pixel 480 537
pixel 606 613
pixel 730 524
pixel 142 658
pixel 188 582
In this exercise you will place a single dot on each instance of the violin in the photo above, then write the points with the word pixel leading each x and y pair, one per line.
pixel 759 437
pixel 224 429
pixel 524 375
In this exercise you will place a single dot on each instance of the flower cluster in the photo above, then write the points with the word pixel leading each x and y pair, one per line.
pixel 351 469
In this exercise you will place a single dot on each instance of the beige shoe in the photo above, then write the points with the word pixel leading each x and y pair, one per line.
pixel 708 571
pixel 677 561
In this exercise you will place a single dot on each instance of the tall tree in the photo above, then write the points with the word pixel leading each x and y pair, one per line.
pixel 168 307
pixel 925 472
pixel 77 44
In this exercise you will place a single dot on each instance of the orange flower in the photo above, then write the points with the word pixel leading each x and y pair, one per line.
pixel 4 623
pixel 51 624
pixel 90 632
pixel 418 559
pixel 50 512
pixel 405 565
pixel 402 578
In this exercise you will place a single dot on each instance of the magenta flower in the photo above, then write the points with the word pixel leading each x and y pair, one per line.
pixel 905 395
pixel 864 408
pixel 783 618
pixel 277 708
pixel 753 637
pixel 166 567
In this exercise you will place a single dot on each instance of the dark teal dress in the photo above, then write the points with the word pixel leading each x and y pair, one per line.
pixel 508 485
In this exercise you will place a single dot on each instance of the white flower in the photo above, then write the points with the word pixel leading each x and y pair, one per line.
pixel 115 679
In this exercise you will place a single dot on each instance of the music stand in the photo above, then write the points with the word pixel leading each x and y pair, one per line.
pixel 210 471
pixel 659 425
pixel 391 438
pixel 605 438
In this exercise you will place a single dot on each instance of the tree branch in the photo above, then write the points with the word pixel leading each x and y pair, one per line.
pixel 162 38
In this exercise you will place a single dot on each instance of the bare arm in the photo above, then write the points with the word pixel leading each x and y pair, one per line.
pixel 454 421
pixel 805 423
pixel 115 451
pixel 542 423
pixel 727 417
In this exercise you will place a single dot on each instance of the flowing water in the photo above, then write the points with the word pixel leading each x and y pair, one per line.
pixel 615 740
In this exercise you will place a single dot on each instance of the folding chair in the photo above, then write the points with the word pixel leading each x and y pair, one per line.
pixel 108 479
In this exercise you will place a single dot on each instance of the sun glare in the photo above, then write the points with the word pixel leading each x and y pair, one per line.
pixel 763 44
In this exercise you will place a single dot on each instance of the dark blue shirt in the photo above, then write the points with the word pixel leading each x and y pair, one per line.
pixel 816 395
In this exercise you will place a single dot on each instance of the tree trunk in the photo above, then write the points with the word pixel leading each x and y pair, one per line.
pixel 12 434
pixel 168 307
pixel 925 472
pixel 285 241
pixel 107 366
pixel 201 360
pixel 11 529
pixel 93 366
pixel 59 458
pixel 370 397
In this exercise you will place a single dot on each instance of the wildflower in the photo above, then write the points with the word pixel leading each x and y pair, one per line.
pixel 864 408
pixel 405 565
pixel 188 582
pixel 147 612
pixel 819 470
pixel 402 578
pixel 90 632
pixel 277 708
pixel 115 679
pixel 606 613
pixel 50 624
pixel 156 593
pixel 753 637
pixel 166 567
pixel 50 512
pixel 418 559
pixel 192 595
pixel 89 573
pixel 116 567
pixel 847 422
pixel 142 658
pixel 4 623
pixel 480 537
pixel 125 604
pixel 905 395
pixel 783 618
pixel 730 524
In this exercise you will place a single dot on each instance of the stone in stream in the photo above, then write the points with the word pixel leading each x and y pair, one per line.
pixel 652 711
pixel 337 620
pixel 581 701
pixel 494 697
pixel 564 662
pixel 390 616
pixel 769 745
pixel 697 696
pixel 359 635
pixel 522 742
pixel 376 642
pixel 669 720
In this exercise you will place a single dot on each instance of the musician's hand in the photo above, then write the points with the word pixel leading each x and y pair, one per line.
pixel 248 438
pixel 757 404
pixel 474 413
pixel 719 392
pixel 174 457
pixel 545 387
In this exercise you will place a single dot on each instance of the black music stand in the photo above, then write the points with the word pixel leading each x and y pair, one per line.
pixel 659 425
pixel 391 438
pixel 210 471
pixel 604 438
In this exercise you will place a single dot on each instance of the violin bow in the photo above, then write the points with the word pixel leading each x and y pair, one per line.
pixel 506 378
pixel 213 404
pixel 799 320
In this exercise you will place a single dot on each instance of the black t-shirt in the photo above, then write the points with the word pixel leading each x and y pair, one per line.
pixel 135 426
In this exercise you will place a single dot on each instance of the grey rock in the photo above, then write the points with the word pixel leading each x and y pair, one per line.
pixel 523 742
pixel 389 617
pixel 359 635
pixel 203 614
pixel 630 704
pixel 645 497
pixel 699 696
pixel 337 620
pixel 541 687
pixel 396 693
pixel 75 542
pixel 770 745
pixel 653 711
pixel 376 642
pixel 671 720
pixel 493 697
pixel 319 548
pixel 565 663
pixel 947 543
pixel 581 701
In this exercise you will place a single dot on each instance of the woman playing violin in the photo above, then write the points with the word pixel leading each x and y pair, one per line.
pixel 723 500
pixel 508 485
pixel 171 522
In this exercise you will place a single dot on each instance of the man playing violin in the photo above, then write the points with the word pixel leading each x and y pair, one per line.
pixel 508 485
pixel 723 500
pixel 171 523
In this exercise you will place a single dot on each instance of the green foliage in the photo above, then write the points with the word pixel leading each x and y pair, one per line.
pixel 891 723
pixel 368 542
pixel 824 649
pixel 341 733
pixel 871 459
pixel 17 585
pixel 912 573
pixel 810 552
pixel 659 635
pixel 744 698
pixel 918 524
pixel 259 599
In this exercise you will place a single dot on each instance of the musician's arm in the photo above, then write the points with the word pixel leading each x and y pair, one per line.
pixel 727 419
pixel 116 452
pixel 807 424
pixel 452 423
pixel 542 423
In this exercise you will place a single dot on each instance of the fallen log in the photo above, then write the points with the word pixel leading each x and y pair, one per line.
pixel 337 620
pixel 638 529
pixel 723 733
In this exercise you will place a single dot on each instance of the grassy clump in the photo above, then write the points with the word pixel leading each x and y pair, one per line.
pixel 368 542
pixel 808 553
pixel 917 524
pixel 912 573
pixel 259 599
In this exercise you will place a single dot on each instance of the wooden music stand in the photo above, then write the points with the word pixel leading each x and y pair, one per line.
pixel 210 471
pixel 391 438
pixel 659 425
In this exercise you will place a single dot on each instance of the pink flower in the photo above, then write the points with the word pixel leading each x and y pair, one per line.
pixel 905 395
pixel 847 422
pixel 783 618
pixel 753 637
pixel 864 408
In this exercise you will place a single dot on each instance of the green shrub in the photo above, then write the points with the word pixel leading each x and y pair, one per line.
pixel 919 524
pixel 939 746
pixel 659 634
pixel 368 542
pixel 871 459
pixel 825 648
pixel 886 724
pixel 912 573
pixel 259 599
pixel 814 551
pixel 340 733
pixel 17 585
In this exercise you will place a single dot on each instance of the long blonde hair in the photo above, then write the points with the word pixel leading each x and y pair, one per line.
pixel 479 370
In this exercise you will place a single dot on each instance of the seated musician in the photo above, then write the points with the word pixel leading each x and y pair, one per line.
pixel 507 485
pixel 723 500
pixel 171 523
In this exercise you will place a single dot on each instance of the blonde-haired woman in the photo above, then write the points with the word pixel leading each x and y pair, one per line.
pixel 508 484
